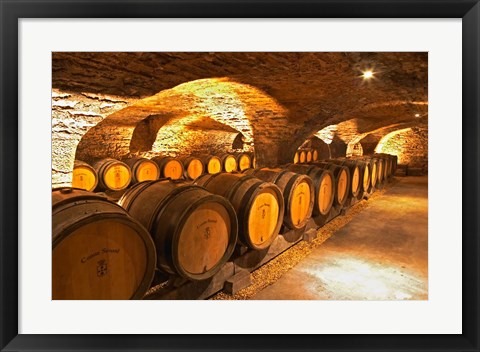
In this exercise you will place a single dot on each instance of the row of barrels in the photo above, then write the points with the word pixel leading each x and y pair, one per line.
pixel 305 155
pixel 116 175
pixel 104 250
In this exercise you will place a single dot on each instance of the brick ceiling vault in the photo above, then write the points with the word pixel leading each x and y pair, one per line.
pixel 276 100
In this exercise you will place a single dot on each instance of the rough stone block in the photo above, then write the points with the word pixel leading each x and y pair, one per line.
pixel 310 235
pixel 237 282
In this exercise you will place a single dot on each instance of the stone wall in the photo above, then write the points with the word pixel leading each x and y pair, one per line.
pixel 410 145
pixel 73 114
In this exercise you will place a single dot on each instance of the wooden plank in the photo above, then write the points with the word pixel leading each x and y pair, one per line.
pixel 193 290
pixel 253 259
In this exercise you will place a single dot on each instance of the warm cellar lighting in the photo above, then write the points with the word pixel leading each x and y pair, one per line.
pixel 417 115
pixel 367 74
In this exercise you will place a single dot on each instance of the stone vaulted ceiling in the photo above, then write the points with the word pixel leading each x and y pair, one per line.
pixel 285 97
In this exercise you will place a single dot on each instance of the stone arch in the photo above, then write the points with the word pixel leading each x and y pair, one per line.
pixel 354 149
pixel 221 105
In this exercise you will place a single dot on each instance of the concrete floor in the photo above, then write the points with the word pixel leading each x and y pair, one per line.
pixel 382 254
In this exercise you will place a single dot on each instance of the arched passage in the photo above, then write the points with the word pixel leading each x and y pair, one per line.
pixel 203 109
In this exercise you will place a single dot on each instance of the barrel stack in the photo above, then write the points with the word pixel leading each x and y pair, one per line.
pixel 298 194
pixel 259 206
pixel 184 217
pixel 324 190
pixel 194 230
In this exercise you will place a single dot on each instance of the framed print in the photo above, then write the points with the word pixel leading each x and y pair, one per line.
pixel 103 86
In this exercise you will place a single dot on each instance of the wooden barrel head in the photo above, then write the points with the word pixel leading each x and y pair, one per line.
pixel 84 177
pixel 230 163
pixel 214 166
pixel 244 162
pixel 147 171
pixel 325 194
pixel 263 217
pixel 195 168
pixel 315 155
pixel 117 176
pixel 342 185
pixel 300 203
pixel 173 169
pixel 309 156
pixel 366 178
pixel 302 157
pixel 105 259
pixel 374 174
pixel 380 170
pixel 355 179
pixel 204 238
pixel 295 158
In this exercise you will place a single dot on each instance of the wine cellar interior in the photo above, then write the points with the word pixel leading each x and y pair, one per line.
pixel 240 175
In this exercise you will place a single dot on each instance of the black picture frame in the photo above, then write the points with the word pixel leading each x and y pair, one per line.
pixel 12 11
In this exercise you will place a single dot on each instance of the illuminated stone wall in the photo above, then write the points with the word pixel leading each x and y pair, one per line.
pixel 410 145
pixel 73 114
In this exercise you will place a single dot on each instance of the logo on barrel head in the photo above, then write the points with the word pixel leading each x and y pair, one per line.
pixel 206 232
pixel 102 268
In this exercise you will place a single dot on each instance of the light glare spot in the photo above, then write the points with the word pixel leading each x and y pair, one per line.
pixel 367 74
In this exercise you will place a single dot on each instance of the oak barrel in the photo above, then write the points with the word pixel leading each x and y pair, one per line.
pixel 98 250
pixel 213 164
pixel 367 166
pixel 372 162
pixel 193 167
pixel 244 161
pixel 296 157
pixel 342 180
pixel 314 155
pixel 380 170
pixel 302 156
pixel 324 184
pixel 143 169
pixel 194 231
pixel 309 155
pixel 298 194
pixel 169 167
pixel 259 205
pixel 84 176
pixel 112 174
pixel 356 177
pixel 229 162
